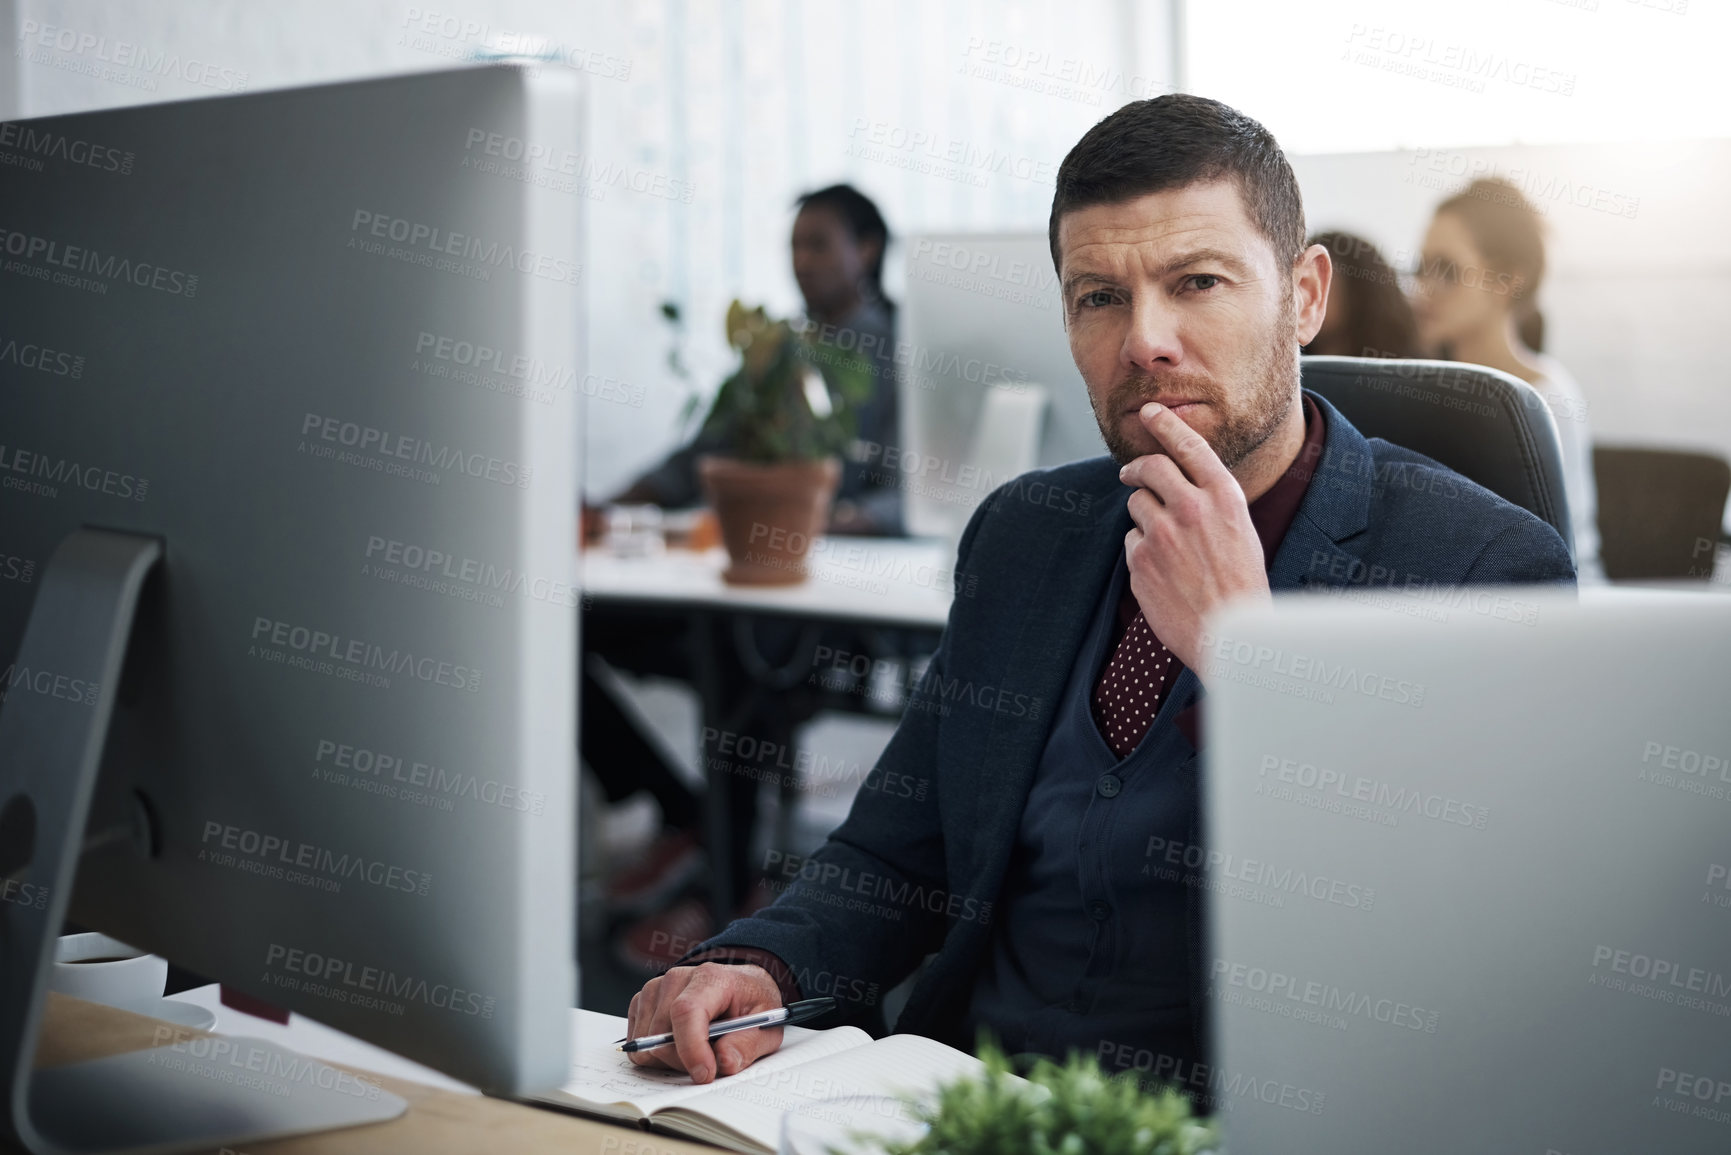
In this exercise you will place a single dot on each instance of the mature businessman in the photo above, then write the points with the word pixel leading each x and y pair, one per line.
pixel 1021 867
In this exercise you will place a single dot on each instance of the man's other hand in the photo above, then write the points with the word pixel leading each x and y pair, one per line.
pixel 1193 547
pixel 686 1000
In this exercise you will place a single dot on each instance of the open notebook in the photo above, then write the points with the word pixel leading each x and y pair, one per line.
pixel 744 1111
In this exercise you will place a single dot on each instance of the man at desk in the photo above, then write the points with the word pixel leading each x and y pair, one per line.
pixel 1020 860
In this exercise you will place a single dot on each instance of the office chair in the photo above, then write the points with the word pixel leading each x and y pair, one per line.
pixel 1660 512
pixel 1484 424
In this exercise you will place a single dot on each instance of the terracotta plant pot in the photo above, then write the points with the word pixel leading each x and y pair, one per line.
pixel 769 514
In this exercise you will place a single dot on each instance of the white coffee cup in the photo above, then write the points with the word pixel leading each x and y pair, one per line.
pixel 124 977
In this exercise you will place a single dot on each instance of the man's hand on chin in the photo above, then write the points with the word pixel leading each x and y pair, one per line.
pixel 1193 547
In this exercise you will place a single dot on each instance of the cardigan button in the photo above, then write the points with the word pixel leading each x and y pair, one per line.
pixel 1109 785
pixel 1099 911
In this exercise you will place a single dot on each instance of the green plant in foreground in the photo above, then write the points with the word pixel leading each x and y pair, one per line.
pixel 1069 1109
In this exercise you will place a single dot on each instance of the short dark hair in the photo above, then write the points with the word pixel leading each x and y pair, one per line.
pixel 1175 140
pixel 863 220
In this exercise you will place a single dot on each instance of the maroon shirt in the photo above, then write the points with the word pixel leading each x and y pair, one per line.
pixel 1272 514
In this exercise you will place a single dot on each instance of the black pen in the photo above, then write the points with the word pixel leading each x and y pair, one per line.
pixel 780 1017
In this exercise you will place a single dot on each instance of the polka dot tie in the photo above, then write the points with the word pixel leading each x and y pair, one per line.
pixel 1133 685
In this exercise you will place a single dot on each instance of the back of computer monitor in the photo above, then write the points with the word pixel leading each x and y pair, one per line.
pixel 323 345
pixel 1467 864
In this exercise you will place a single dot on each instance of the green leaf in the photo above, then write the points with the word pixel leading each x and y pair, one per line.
pixel 761 413
pixel 1070 1109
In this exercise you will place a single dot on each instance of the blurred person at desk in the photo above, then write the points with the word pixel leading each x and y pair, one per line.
pixel 1368 315
pixel 839 238
pixel 1478 280
pixel 1004 848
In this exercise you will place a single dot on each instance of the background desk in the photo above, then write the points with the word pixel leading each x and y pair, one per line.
pixel 897 590
pixel 438 1122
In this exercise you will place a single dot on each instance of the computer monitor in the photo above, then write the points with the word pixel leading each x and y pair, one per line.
pixel 1466 864
pixel 288 489
pixel 981 315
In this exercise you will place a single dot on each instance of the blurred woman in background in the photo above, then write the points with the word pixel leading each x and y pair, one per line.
pixel 1477 301
pixel 1367 315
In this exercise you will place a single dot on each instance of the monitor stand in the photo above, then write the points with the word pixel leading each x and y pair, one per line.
pixel 197 1092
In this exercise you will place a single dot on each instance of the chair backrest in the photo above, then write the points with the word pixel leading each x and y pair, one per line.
pixel 1488 426
pixel 1660 511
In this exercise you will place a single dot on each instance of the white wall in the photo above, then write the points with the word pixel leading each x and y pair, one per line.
pixel 706 118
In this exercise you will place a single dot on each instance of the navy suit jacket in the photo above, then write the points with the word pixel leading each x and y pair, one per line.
pixel 918 866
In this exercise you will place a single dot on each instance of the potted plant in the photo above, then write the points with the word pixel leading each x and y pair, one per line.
pixel 1070 1108
pixel 784 417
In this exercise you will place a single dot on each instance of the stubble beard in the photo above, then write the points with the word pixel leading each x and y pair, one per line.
pixel 1240 430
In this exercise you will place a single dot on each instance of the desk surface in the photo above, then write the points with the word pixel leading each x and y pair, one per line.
pixel 884 581
pixel 436 1122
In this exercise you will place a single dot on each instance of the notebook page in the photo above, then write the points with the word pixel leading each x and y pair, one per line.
pixel 600 1074
pixel 752 1108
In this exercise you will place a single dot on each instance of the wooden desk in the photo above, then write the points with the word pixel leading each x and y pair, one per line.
pixel 436 1122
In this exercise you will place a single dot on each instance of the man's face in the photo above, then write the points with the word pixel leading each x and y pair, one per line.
pixel 827 262
pixel 1177 297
